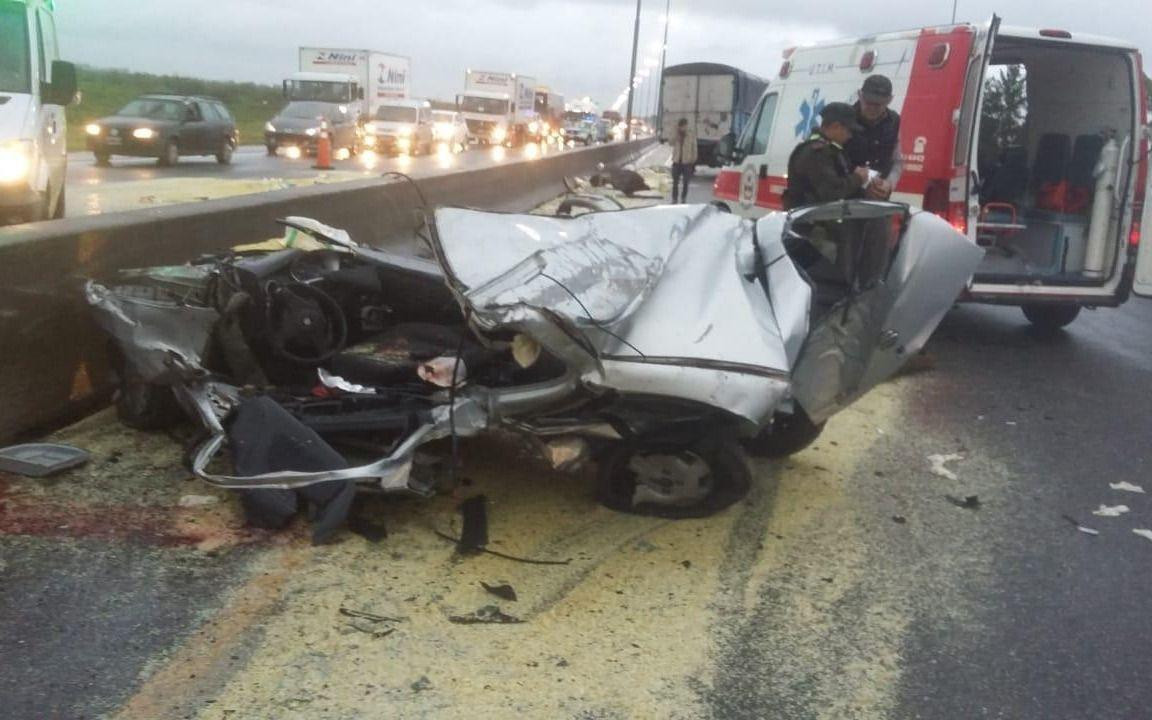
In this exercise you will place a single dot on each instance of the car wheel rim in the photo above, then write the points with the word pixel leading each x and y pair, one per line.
pixel 678 479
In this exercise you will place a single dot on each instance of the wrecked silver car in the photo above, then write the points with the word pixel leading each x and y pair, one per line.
pixel 669 340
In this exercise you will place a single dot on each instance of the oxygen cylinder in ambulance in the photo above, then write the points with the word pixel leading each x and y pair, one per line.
pixel 1096 252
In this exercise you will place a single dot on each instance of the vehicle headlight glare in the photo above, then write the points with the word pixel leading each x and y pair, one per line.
pixel 143 133
pixel 93 129
pixel 311 132
pixel 15 162
pixel 269 127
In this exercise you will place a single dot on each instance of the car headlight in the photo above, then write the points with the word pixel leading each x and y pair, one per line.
pixel 311 131
pixel 533 127
pixel 15 161
pixel 499 134
pixel 269 127
pixel 143 133
pixel 405 131
pixel 93 129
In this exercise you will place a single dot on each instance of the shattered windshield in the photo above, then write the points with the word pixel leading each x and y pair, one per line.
pixel 485 106
pixel 15 64
pixel 395 113
pixel 153 109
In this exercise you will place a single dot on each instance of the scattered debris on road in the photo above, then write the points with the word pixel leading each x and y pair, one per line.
pixel 968 502
pixel 939 463
pixel 1110 511
pixel 899 519
pixel 504 591
pixel 369 623
pixel 487 615
pixel 1147 534
pixel 474 535
pixel 1078 526
pixel 1126 487
pixel 195 501
pixel 506 556
pixel 41 459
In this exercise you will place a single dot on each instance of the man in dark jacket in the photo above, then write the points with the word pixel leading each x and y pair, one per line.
pixel 819 170
pixel 877 146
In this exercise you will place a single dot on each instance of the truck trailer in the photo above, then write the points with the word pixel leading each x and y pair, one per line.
pixel 716 99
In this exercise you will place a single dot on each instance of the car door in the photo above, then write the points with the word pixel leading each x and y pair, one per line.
pixel 878 300
pixel 1142 284
pixel 193 131
pixel 760 185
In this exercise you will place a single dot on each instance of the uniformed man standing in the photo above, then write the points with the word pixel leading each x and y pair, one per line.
pixel 819 170
pixel 877 145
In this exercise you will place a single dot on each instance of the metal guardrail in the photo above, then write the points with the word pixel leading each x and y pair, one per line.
pixel 53 359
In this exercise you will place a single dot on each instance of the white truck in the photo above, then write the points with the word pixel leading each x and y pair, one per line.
pixel 35 85
pixel 498 107
pixel 363 79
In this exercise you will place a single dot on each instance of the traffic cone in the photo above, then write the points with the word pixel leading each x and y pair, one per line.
pixel 323 149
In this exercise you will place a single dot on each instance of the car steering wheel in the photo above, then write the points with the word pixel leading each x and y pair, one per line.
pixel 305 324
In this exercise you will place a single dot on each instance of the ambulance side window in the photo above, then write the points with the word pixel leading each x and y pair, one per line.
pixel 764 125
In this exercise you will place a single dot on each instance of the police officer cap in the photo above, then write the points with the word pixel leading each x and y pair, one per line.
pixel 842 113
pixel 877 88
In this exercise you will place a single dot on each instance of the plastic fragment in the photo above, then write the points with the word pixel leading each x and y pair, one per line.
pixel 1147 534
pixel 968 502
pixel 1126 487
pixel 192 501
pixel 940 461
pixel 1110 511
pixel 487 615
pixel 504 591
pixel 338 383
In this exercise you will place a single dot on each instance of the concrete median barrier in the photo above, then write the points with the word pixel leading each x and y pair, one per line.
pixel 53 360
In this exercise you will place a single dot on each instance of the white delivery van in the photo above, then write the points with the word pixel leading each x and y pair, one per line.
pixel 498 107
pixel 34 88
pixel 1031 142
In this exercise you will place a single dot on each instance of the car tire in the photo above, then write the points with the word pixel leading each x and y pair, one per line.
pixel 170 155
pixel 788 434
pixel 103 159
pixel 61 205
pixel 1051 317
pixel 726 478
pixel 224 154
pixel 271 150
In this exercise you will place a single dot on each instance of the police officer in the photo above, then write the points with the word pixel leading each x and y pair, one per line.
pixel 877 146
pixel 819 170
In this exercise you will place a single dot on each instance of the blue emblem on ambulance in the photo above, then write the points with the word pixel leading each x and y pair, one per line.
pixel 810 109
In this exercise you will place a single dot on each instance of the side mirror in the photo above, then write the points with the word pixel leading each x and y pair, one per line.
pixel 62 89
pixel 726 151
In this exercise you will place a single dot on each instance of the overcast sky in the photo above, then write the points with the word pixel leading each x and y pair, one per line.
pixel 579 47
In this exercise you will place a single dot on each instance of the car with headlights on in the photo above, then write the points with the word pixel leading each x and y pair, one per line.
pixel 448 127
pixel 400 127
pixel 300 123
pixel 165 127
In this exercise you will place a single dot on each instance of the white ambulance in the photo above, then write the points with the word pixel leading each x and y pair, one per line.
pixel 1048 175
pixel 34 88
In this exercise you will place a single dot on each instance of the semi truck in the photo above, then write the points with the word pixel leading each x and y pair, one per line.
pixel 339 87
pixel 498 107
pixel 716 100
pixel 35 85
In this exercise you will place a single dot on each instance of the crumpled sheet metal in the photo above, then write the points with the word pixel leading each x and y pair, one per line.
pixel 152 334
pixel 861 343
pixel 665 282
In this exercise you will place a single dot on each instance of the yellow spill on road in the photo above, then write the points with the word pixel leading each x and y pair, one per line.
pixel 638 625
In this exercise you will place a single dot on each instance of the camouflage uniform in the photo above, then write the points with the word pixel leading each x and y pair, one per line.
pixel 819 171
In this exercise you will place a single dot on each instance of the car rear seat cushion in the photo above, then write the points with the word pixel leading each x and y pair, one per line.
pixel 393 356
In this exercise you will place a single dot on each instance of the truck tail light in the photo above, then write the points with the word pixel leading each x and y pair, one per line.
pixel 1134 236
pixel 868 61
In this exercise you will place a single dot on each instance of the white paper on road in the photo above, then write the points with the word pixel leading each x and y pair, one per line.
pixel 1087 530
pixel 1144 533
pixel 940 461
pixel 1126 487
pixel 1111 511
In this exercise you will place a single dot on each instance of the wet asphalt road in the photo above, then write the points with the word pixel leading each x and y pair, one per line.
pixel 846 586
pixel 131 182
